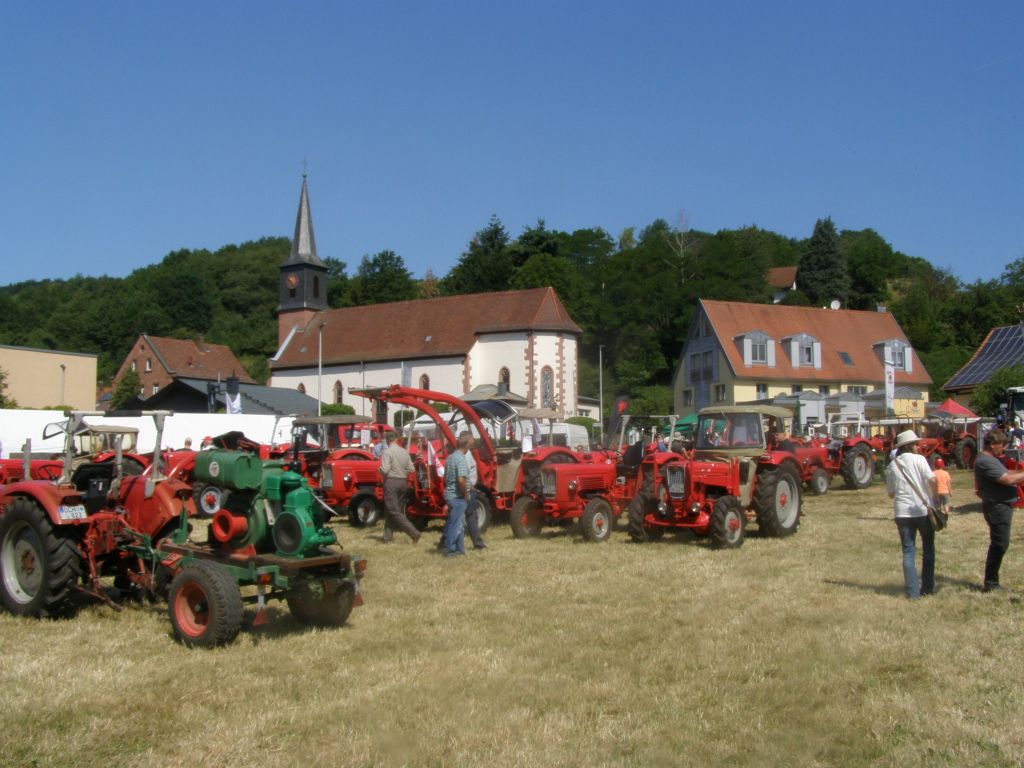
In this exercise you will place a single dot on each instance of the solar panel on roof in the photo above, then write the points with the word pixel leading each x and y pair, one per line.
pixel 1004 347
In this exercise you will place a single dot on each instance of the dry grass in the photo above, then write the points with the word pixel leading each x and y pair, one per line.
pixel 555 652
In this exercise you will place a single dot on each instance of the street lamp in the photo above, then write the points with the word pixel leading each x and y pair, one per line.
pixel 63 369
pixel 320 368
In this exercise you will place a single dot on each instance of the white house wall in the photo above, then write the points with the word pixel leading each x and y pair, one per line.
pixel 445 375
pixel 493 352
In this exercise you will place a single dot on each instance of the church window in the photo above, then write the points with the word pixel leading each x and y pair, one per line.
pixel 547 388
pixel 316 286
pixel 504 377
pixel 339 392
pixel 424 381
pixel 301 388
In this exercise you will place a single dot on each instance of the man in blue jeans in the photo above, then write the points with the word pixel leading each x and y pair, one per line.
pixel 997 487
pixel 456 494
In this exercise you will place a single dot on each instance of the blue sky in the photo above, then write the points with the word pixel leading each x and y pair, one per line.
pixel 129 129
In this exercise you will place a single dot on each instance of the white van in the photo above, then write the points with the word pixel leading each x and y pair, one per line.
pixel 573 436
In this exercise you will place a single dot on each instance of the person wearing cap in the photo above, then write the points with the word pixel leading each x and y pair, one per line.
pixel 997 487
pixel 944 484
pixel 910 482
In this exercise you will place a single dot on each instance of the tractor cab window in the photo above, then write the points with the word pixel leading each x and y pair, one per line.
pixel 733 430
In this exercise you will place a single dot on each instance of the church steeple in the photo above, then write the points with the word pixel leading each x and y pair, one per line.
pixel 304 243
pixel 303 283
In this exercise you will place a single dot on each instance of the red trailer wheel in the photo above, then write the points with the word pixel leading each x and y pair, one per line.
pixel 204 605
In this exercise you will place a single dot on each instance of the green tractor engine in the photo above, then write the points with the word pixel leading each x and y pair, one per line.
pixel 264 506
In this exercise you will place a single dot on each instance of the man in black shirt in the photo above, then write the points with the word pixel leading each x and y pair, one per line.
pixel 997 487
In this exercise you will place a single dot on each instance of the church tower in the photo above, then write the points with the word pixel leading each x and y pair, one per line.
pixel 303 284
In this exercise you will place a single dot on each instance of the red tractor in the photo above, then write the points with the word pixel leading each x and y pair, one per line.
pixel 954 440
pixel 505 470
pixel 62 540
pixel 733 476
pixel 842 446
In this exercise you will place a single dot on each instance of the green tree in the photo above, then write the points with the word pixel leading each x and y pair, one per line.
pixel 337 409
pixel 127 389
pixel 486 264
pixel 5 401
pixel 822 274
pixel 382 278
pixel 987 398
pixel 870 262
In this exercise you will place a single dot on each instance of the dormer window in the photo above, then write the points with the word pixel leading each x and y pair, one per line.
pixel 804 350
pixel 757 347
pixel 898 351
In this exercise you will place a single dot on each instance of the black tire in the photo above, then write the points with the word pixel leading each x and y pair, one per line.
pixel 322 608
pixel 858 468
pixel 364 511
pixel 204 605
pixel 777 501
pixel 525 518
pixel 728 523
pixel 39 563
pixel 637 511
pixel 965 453
pixel 483 511
pixel 596 520
pixel 819 482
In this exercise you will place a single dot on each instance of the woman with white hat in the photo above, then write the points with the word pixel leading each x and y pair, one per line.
pixel 910 481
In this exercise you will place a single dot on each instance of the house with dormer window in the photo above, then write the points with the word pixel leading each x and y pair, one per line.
pixel 740 353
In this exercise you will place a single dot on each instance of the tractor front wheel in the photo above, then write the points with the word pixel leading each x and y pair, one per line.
pixel 323 605
pixel 525 518
pixel 39 565
pixel 777 501
pixel 965 453
pixel 819 482
pixel 482 511
pixel 728 523
pixel 596 520
pixel 204 605
pixel 364 511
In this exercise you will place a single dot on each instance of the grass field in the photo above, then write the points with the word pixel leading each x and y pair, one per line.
pixel 553 652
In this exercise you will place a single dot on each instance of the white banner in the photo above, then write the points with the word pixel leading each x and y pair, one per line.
pixel 890 383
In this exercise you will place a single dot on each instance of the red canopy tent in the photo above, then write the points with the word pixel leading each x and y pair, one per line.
pixel 953 408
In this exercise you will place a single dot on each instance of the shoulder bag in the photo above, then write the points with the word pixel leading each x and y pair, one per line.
pixel 936 516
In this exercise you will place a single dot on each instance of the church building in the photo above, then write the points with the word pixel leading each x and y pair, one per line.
pixel 523 342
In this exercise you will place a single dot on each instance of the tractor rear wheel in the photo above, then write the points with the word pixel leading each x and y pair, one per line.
pixel 39 564
pixel 819 482
pixel 204 605
pixel 526 519
pixel 364 511
pixel 777 501
pixel 596 520
pixel 858 469
pixel 728 523
pixel 327 605
pixel 965 453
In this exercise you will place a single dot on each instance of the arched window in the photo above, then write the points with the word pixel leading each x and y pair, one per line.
pixel 339 392
pixel 316 286
pixel 504 377
pixel 547 388
pixel 424 381
pixel 301 388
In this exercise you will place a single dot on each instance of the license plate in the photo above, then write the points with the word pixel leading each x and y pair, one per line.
pixel 71 512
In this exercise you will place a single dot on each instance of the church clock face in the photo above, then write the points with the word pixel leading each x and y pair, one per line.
pixel 292 280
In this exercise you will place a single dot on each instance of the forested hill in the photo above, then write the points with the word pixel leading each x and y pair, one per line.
pixel 635 295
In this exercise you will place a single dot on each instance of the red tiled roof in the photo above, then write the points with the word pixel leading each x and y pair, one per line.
pixel 838 330
pixel 441 327
pixel 186 357
pixel 781 277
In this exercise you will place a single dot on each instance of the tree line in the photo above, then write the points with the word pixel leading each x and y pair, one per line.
pixel 634 295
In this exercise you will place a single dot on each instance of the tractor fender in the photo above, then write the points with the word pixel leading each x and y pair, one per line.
pixel 45 495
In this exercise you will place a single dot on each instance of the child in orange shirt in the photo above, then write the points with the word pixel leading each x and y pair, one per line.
pixel 945 484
